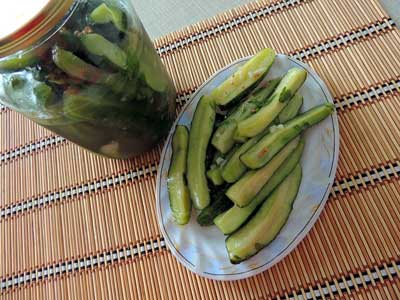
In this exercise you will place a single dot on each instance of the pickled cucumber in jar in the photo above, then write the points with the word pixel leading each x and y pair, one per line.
pixel 94 78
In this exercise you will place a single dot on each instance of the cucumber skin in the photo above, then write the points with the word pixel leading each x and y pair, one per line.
pixel 261 153
pixel 224 137
pixel 218 206
pixel 199 138
pixel 285 91
pixel 228 92
pixel 234 168
pixel 97 45
pixel 244 191
pixel 264 227
pixel 291 110
pixel 231 220
pixel 177 190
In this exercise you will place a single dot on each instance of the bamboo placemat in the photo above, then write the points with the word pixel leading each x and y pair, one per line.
pixel 75 225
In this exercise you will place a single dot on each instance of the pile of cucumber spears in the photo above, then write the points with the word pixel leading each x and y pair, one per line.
pixel 248 186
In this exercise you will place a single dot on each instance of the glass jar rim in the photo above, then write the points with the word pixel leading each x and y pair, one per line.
pixel 44 22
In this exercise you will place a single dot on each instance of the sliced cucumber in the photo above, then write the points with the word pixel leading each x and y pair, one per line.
pixel 215 175
pixel 178 191
pixel 231 220
pixel 245 79
pixel 261 153
pixel 104 14
pixel 152 68
pixel 243 191
pixel 285 91
pixel 223 138
pixel 200 135
pixel 234 168
pixel 78 68
pixel 96 44
pixel 263 228
pixel 18 61
pixel 291 110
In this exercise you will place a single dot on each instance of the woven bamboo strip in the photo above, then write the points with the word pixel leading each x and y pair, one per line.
pixel 64 166
pixel 326 17
pixel 16 130
pixel 369 135
pixel 356 231
pixel 253 36
pixel 159 277
pixel 80 227
pixel 387 291
pixel 362 65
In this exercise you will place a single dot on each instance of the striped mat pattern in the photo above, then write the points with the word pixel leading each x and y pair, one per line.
pixel 75 225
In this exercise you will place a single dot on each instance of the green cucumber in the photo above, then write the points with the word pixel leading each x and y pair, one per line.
pixel 18 61
pixel 215 172
pixel 200 135
pixel 93 103
pixel 153 69
pixel 243 191
pixel 215 175
pixel 78 68
pixel 245 79
pixel 234 168
pixel 263 228
pixel 218 206
pixel 44 95
pixel 97 45
pixel 285 91
pixel 231 220
pixel 104 14
pixel 261 153
pixel 223 138
pixel 291 110
pixel 178 191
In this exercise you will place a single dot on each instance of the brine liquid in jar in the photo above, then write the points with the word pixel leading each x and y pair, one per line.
pixel 89 73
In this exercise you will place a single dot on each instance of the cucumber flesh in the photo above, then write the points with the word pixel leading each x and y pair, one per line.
pixel 98 45
pixel 234 168
pixel 285 91
pixel 223 138
pixel 178 192
pixel 245 78
pixel 291 110
pixel 104 14
pixel 263 228
pixel 231 220
pixel 261 153
pixel 243 191
pixel 214 174
pixel 18 61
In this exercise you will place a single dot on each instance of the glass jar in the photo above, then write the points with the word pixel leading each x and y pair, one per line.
pixel 87 70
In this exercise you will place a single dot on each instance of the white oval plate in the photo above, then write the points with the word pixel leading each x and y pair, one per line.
pixel 202 249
